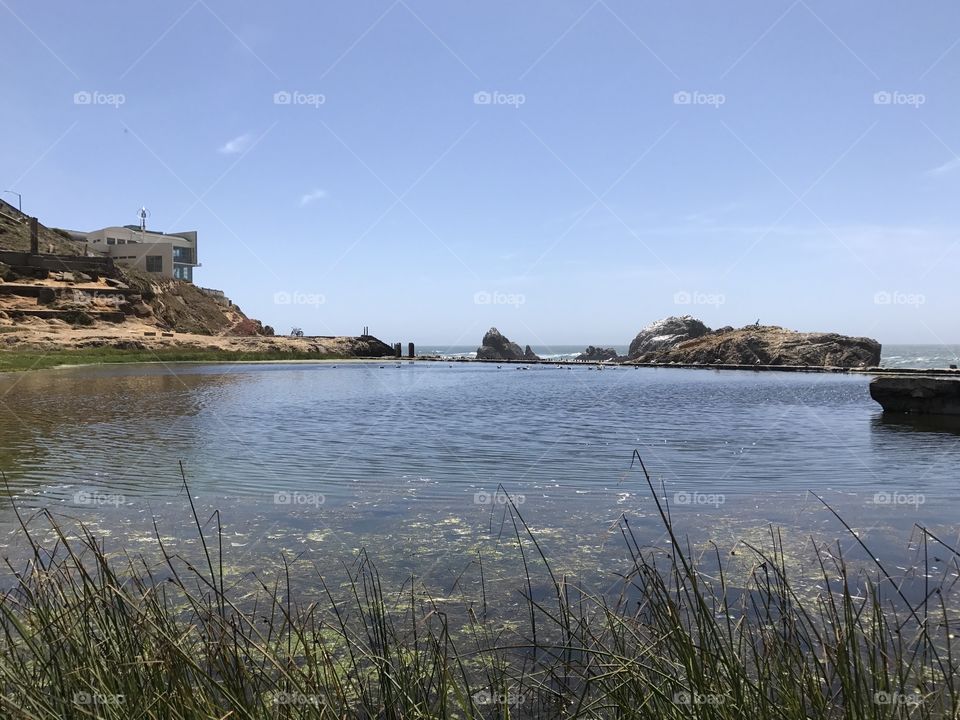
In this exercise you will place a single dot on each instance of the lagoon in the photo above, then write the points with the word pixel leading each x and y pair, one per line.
pixel 413 462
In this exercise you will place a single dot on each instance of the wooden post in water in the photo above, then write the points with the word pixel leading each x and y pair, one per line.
pixel 410 351
pixel 34 237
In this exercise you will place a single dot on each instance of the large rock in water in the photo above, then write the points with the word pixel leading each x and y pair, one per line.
pixel 769 345
pixel 497 347
pixel 597 354
pixel 665 334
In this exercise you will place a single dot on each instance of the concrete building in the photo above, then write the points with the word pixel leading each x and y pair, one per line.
pixel 167 255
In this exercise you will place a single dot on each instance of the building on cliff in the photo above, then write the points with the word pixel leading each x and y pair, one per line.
pixel 172 256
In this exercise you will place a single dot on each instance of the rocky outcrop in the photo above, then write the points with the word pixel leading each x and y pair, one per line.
pixel 666 333
pixel 497 347
pixel 596 354
pixel 769 345
pixel 918 395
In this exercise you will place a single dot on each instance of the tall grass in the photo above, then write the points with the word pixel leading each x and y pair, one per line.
pixel 686 634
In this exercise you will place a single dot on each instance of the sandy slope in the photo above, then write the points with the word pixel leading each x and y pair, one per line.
pixel 40 334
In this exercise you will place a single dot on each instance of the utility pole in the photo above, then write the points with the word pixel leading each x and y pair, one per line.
pixel 19 199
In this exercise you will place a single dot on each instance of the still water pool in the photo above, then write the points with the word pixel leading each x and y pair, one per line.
pixel 412 462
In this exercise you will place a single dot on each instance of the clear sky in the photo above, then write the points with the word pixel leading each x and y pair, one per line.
pixel 566 171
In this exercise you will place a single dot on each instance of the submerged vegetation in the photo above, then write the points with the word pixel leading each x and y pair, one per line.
pixel 684 634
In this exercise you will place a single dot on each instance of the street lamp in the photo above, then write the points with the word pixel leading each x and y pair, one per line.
pixel 19 199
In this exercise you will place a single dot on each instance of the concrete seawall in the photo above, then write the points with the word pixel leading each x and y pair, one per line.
pixel 948 372
pixel 920 395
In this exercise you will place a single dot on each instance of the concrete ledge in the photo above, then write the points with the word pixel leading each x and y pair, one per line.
pixel 920 394
pixel 67 315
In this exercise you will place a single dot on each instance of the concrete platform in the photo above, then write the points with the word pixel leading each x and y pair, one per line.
pixel 917 394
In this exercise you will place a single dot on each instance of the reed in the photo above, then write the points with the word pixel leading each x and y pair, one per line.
pixel 686 634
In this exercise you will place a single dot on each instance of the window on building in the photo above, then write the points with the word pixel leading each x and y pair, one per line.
pixel 155 263
pixel 183 272
pixel 121 241
pixel 111 241
pixel 183 254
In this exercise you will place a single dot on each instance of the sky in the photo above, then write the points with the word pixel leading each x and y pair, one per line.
pixel 565 171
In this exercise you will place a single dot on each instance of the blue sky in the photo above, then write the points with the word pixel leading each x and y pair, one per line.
pixel 566 171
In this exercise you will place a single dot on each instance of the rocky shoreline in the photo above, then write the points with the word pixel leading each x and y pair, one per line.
pixel 687 341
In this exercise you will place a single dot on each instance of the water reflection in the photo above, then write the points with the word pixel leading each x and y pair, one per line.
pixel 908 422
pixel 76 425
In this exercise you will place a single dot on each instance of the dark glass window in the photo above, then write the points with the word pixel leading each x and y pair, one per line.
pixel 154 263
